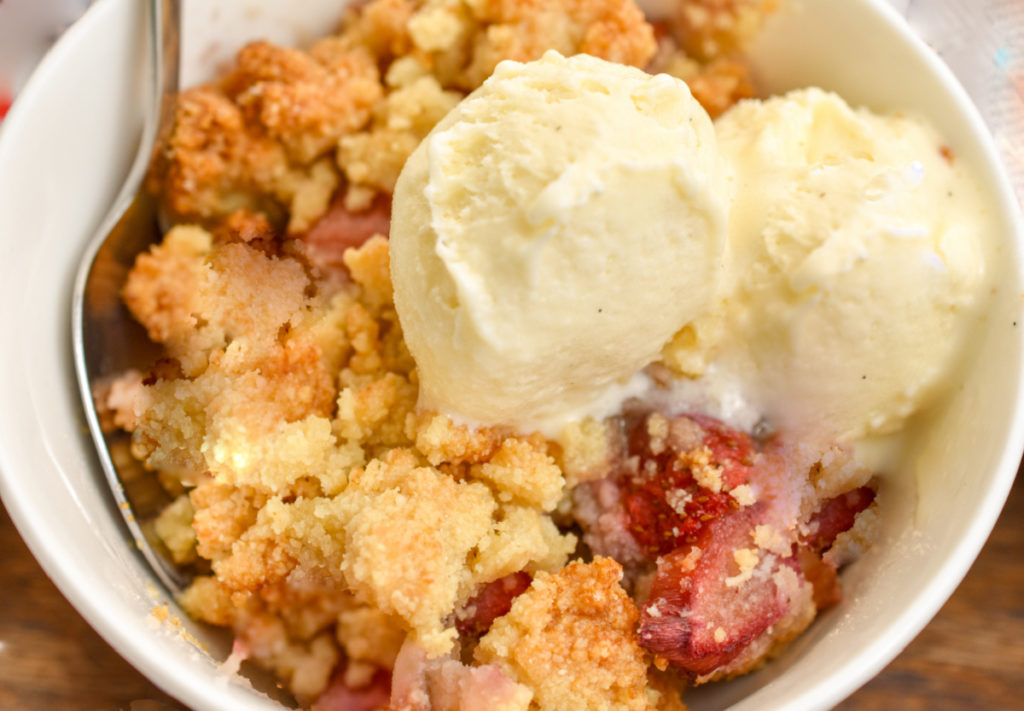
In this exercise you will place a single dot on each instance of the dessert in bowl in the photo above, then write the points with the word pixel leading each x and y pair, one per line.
pixel 920 531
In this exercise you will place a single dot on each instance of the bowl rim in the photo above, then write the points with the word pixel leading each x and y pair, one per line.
pixel 823 693
pixel 877 655
pixel 169 674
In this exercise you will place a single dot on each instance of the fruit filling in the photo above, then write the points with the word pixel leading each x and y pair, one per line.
pixel 723 559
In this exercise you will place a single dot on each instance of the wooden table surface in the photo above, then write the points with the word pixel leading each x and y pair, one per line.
pixel 971 656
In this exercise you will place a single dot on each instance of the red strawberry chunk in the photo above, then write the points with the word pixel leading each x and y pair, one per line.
pixel 493 601
pixel 375 696
pixel 339 229
pixel 694 618
pixel 661 30
pixel 665 505
pixel 731 449
pixel 716 597
pixel 836 516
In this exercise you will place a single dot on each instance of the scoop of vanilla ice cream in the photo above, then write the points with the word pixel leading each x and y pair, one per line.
pixel 855 258
pixel 550 234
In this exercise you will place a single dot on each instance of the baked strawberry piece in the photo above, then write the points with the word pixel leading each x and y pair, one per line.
pixel 725 565
pixel 375 695
pixel 697 617
pixel 340 229
pixel 677 477
pixel 491 602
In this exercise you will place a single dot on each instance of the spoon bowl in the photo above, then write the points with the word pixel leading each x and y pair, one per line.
pixel 105 339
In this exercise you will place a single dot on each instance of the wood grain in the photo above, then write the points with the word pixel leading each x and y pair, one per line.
pixel 50 658
pixel 971 656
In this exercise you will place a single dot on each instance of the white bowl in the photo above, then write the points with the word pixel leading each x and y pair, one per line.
pixel 65 147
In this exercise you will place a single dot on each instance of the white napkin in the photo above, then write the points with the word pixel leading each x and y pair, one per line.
pixel 982 41
pixel 27 29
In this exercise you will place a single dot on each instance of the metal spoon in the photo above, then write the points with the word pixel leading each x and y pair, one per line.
pixel 106 340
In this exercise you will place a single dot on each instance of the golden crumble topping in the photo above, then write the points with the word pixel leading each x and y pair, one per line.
pixel 305 101
pixel 572 638
pixel 416 570
pixel 287 128
pixel 174 528
pixel 370 635
pixel 374 158
pixel 522 470
pixel 329 522
pixel 585 451
pixel 715 28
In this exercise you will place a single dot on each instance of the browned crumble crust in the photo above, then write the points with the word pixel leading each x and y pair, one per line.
pixel 287 128
pixel 714 28
pixel 305 101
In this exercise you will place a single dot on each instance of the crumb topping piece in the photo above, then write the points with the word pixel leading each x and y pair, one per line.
pixel 571 637
pixel 416 570
pixel 522 470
